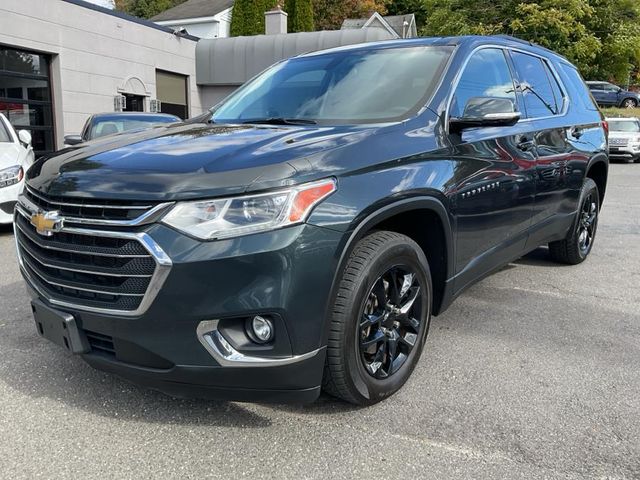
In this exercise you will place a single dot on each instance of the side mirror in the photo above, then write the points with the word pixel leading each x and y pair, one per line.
pixel 72 140
pixel 485 112
pixel 25 138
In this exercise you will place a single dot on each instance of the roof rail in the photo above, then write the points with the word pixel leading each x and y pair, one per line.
pixel 516 39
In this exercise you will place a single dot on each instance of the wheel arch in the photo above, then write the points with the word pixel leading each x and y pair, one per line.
pixel 598 171
pixel 387 217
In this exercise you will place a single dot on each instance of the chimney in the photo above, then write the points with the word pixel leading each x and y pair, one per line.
pixel 275 21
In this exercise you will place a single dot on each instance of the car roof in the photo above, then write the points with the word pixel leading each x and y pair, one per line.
pixel 623 119
pixel 466 40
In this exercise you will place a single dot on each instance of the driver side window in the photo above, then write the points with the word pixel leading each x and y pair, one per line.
pixel 487 75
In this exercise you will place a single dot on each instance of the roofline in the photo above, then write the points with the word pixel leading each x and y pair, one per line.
pixel 215 17
pixel 187 21
pixel 127 17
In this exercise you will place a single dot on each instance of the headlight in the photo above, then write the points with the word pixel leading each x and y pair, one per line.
pixel 233 217
pixel 11 176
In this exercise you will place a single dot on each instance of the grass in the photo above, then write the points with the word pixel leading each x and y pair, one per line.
pixel 621 112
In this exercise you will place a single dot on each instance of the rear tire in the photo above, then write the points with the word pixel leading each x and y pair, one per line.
pixel 373 346
pixel 578 243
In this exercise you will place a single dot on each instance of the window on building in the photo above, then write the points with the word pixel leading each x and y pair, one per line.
pixel 171 90
pixel 25 95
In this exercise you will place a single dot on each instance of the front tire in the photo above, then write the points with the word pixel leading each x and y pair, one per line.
pixel 577 245
pixel 380 319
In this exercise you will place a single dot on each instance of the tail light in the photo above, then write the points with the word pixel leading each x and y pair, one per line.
pixel 605 126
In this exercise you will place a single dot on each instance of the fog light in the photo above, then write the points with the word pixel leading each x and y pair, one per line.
pixel 260 329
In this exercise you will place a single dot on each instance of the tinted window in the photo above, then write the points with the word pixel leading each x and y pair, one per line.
pixel 343 87
pixel 579 91
pixel 535 85
pixel 487 74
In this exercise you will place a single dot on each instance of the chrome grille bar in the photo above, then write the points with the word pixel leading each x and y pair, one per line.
pixel 85 285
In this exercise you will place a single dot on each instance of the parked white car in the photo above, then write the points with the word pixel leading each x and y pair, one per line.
pixel 16 156
pixel 624 139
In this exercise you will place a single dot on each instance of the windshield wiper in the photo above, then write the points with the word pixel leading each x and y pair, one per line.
pixel 281 121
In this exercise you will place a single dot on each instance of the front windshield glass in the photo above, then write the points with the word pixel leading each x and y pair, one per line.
pixel 624 126
pixel 344 87
pixel 4 133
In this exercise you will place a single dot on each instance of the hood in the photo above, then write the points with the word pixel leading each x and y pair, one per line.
pixel 187 161
pixel 10 154
pixel 624 135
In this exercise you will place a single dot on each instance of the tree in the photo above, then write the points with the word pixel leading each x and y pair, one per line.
pixel 602 37
pixel 300 15
pixel 329 14
pixel 145 8
pixel 247 17
pixel 404 7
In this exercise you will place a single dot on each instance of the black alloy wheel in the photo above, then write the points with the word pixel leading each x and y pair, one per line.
pixel 380 319
pixel 587 223
pixel 390 322
pixel 578 243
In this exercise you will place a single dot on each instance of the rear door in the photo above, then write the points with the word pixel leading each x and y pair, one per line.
pixel 495 173
pixel 558 141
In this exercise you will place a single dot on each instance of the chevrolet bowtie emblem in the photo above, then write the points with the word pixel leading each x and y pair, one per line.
pixel 47 223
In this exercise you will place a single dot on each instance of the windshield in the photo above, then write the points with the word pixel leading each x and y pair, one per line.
pixel 5 136
pixel 344 87
pixel 624 126
pixel 113 125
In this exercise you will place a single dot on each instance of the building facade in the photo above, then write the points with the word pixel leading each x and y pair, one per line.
pixel 63 60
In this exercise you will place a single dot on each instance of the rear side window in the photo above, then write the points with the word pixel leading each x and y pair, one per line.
pixel 540 90
pixel 580 94
pixel 487 74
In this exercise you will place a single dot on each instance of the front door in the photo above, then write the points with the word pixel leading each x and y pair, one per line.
pixel 496 188
pixel 134 103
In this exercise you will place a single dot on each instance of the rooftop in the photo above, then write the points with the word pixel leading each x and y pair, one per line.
pixel 194 9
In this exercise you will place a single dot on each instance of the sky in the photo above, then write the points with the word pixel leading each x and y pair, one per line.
pixel 102 3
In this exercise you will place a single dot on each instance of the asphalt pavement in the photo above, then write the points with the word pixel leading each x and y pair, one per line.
pixel 532 373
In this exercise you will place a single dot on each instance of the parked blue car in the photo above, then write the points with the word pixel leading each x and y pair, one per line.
pixel 610 95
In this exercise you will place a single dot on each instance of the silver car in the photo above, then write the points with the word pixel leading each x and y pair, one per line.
pixel 624 139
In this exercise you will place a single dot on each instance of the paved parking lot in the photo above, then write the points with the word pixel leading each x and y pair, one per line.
pixel 533 373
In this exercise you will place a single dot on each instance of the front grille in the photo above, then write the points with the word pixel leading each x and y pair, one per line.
pixel 89 209
pixel 619 142
pixel 90 269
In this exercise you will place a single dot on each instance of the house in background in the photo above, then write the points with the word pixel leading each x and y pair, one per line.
pixel 200 18
pixel 399 26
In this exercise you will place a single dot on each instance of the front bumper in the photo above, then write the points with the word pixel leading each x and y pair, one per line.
pixel 286 274
pixel 631 152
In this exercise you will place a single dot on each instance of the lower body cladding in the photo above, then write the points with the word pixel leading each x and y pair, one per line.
pixel 196 339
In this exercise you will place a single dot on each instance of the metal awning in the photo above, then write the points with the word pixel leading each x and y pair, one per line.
pixel 233 61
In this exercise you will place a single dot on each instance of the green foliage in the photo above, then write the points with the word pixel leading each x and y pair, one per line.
pixel 248 16
pixel 403 7
pixel 145 8
pixel 300 15
pixel 329 14
pixel 602 37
